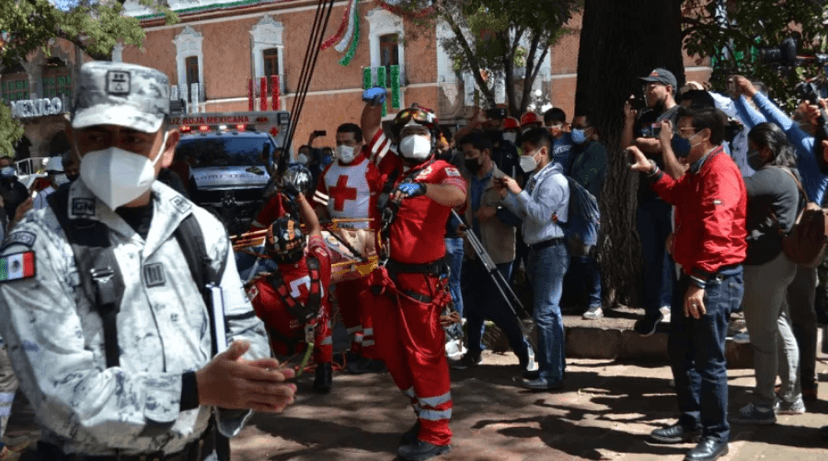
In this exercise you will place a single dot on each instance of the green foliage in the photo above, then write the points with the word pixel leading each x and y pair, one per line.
pixel 735 43
pixel 10 131
pixel 95 26
pixel 493 38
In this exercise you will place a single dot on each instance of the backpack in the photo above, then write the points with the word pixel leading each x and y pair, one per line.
pixel 807 241
pixel 583 220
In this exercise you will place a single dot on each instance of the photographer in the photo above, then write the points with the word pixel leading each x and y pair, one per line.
pixel 709 244
pixel 802 292
pixel 653 215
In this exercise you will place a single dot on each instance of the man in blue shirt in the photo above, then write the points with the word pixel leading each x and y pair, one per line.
pixel 543 203
pixel 554 120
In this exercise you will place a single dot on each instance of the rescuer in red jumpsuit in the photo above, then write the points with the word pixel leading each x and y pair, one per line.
pixel 293 301
pixel 409 292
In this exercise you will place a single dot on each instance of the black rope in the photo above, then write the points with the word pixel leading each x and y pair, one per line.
pixel 309 65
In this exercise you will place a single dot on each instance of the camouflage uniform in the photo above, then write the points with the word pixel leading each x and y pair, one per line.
pixel 55 339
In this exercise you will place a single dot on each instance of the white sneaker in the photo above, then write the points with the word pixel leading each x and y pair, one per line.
pixel 665 314
pixel 455 350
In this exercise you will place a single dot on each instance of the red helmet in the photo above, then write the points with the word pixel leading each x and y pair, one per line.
pixel 510 123
pixel 285 242
pixel 529 118
pixel 420 115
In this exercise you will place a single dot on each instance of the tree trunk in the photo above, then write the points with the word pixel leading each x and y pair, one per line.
pixel 622 40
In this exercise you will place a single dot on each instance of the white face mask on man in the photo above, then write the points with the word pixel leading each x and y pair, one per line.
pixel 415 147
pixel 117 176
pixel 345 154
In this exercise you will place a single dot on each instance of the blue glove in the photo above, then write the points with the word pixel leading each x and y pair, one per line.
pixel 412 189
pixel 376 95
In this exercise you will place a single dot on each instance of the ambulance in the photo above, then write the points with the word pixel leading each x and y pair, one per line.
pixel 226 159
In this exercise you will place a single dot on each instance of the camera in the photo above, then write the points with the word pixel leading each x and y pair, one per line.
pixel 497 113
pixel 320 133
pixel 651 131
pixel 631 160
pixel 808 91
pixel 785 55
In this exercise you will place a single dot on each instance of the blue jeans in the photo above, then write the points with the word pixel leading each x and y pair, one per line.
pixel 654 226
pixel 697 353
pixel 454 259
pixel 582 278
pixel 486 302
pixel 546 269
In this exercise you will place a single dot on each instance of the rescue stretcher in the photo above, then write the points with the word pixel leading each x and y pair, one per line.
pixel 353 251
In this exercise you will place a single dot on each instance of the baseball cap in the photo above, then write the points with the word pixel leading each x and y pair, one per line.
pixel 662 76
pixel 7 172
pixel 128 95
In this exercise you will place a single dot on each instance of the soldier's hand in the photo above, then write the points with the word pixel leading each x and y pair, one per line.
pixel 232 382
pixel 21 211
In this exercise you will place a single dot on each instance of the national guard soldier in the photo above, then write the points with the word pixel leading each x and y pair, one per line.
pixel 106 316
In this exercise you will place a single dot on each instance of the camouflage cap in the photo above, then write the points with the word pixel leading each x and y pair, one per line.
pixel 128 95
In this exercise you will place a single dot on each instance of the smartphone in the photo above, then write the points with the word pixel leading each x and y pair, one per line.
pixel 631 160
pixel 320 133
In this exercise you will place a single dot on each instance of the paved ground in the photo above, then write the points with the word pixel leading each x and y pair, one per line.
pixel 606 411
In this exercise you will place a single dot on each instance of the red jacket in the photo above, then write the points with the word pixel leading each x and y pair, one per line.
pixel 711 206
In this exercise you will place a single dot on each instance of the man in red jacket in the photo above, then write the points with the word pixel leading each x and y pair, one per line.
pixel 709 244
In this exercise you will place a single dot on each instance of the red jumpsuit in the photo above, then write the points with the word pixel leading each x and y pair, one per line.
pixel 350 191
pixel 408 333
pixel 286 333
pixel 273 210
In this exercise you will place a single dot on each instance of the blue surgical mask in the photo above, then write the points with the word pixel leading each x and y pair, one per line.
pixel 578 136
pixel 681 146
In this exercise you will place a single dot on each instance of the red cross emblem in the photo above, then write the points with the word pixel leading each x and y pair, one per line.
pixel 342 192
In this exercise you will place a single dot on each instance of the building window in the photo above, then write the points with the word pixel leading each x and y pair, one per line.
pixel 14 88
pixel 190 62
pixel 386 36
pixel 389 54
pixel 268 51
pixel 191 65
pixel 270 57
pixel 56 80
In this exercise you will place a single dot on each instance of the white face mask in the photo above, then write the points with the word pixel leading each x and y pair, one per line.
pixel 302 158
pixel 60 179
pixel 528 163
pixel 415 147
pixel 510 136
pixel 345 154
pixel 117 176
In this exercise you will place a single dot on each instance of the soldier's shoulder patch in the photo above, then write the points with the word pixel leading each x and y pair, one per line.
pixel 17 266
pixel 84 207
pixel 25 238
pixel 452 171
pixel 181 204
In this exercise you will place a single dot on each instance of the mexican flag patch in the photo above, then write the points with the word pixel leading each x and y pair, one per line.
pixel 17 266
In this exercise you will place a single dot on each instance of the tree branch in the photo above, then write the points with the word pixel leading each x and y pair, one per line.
pixel 474 64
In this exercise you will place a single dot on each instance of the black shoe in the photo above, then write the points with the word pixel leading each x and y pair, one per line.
pixel 324 377
pixel 420 451
pixel 675 434
pixel 410 436
pixel 468 361
pixel 708 449
pixel 647 325
pixel 542 384
pixel 365 365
